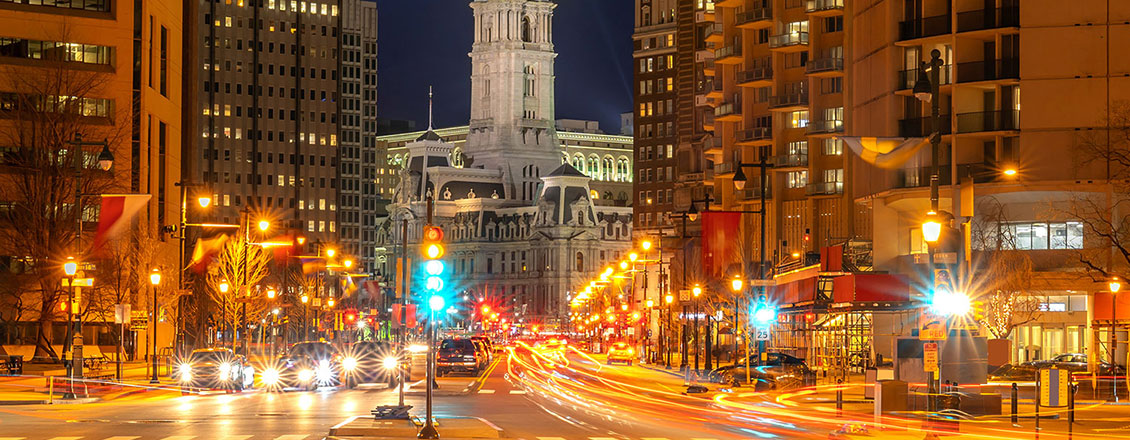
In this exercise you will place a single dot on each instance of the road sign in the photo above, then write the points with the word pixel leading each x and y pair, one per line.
pixel 762 334
pixel 1054 387
pixel 930 357
pixel 122 313
pixel 945 258
pixel 139 324
pixel 932 327
pixel 684 295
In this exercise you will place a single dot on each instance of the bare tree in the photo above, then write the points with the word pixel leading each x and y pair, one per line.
pixel 42 109
pixel 242 267
pixel 1006 273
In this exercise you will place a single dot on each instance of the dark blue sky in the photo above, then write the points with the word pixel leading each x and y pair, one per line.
pixel 422 42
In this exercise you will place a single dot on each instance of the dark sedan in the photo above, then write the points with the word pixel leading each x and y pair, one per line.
pixel 307 365
pixel 460 354
pixel 215 368
pixel 371 362
pixel 779 371
pixel 1073 362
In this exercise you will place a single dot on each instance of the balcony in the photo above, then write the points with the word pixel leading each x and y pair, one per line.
pixel 993 18
pixel 708 68
pixel 701 101
pixel 919 177
pixel 755 19
pixel 752 193
pixel 714 88
pixel 730 111
pixel 758 77
pixel 755 136
pixel 713 146
pixel 728 3
pixel 724 169
pixel 704 16
pixel 728 55
pixel 907 78
pixel 830 126
pixel 790 160
pixel 825 67
pixel 789 42
pixel 925 27
pixel 996 120
pixel 919 127
pixel 789 101
pixel 708 121
pixel 824 188
pixel 714 33
pixel 992 70
pixel 822 8
pixel 703 55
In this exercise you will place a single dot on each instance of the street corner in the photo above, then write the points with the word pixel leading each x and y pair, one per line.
pixel 365 427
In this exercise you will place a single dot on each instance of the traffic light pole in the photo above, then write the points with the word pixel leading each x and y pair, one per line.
pixel 429 430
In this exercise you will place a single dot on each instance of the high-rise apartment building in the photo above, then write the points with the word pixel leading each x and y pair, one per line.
pixel 270 102
pixel 357 219
pixel 106 70
pixel 655 117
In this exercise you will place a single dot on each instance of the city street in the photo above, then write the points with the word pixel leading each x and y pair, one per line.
pixel 553 394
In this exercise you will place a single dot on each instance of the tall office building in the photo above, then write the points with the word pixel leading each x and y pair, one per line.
pixel 269 106
pixel 357 218
pixel 112 69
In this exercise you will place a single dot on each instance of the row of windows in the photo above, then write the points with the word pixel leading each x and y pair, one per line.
pixel 661 197
pixel 603 169
pixel 657 108
pixel 657 63
pixel 648 174
pixel 239 157
pixel 1038 235
pixel 229 133
pixel 660 85
pixel 660 152
pixel 661 130
pixel 55 51
pixel 12 102
pixel 88 5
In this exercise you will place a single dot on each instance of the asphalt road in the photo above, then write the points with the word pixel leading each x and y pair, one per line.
pixel 531 394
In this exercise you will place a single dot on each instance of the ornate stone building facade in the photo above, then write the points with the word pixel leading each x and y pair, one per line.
pixel 523 225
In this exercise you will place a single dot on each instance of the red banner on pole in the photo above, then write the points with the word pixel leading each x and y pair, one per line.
pixel 721 232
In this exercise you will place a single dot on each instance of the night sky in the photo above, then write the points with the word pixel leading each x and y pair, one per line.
pixel 422 42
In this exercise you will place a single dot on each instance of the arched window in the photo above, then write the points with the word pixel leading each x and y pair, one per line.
pixel 579 162
pixel 457 158
pixel 623 170
pixel 606 169
pixel 527 36
pixel 580 262
pixel 594 167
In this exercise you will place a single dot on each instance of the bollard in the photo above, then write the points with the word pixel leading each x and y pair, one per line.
pixel 1071 407
pixel 50 390
pixel 1037 402
pixel 839 398
pixel 1016 402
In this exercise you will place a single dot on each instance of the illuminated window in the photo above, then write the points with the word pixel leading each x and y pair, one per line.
pixel 798 119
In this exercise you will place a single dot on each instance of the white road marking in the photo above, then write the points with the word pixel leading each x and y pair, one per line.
pixel 520 392
pixel 179 437
pixel 551 438
pixel 292 437
pixel 603 438
pixel 486 391
pixel 64 438
pixel 235 437
pixel 653 438
pixel 12 438
pixel 122 437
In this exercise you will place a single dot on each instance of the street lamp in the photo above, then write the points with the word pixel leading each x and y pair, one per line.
pixel 1114 285
pixel 271 293
pixel 931 228
pixel 264 225
pixel 204 201
pixel 646 245
pixel 736 284
pixel 154 281
pixel 330 252
pixel 224 287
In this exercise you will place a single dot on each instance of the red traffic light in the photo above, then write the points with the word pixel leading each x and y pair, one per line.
pixel 350 317
pixel 433 233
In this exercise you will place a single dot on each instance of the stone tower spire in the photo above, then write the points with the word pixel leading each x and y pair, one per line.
pixel 512 117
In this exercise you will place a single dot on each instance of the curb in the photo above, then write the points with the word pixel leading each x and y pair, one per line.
pixel 673 372
pixel 53 402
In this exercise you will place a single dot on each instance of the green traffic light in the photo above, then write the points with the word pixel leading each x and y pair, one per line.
pixel 436 303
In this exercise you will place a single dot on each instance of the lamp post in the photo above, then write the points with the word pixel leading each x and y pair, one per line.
pixel 1114 286
pixel 245 284
pixel 154 281
pixel 70 268
pixel 204 201
pixel 305 318
pixel 105 162
pixel 926 89
pixel 695 292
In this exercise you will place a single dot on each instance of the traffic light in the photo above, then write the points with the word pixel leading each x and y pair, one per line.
pixel 435 271
pixel 764 314
pixel 350 317
pixel 978 311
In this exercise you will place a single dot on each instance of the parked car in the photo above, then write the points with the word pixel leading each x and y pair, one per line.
pixel 1073 362
pixel 459 354
pixel 307 365
pixel 215 368
pixel 621 352
pixel 491 346
pixel 779 371
pixel 484 348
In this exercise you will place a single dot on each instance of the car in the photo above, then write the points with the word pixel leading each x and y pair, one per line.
pixel 778 371
pixel 484 349
pixel 489 344
pixel 370 362
pixel 1073 362
pixel 621 352
pixel 459 354
pixel 307 365
pixel 552 344
pixel 215 368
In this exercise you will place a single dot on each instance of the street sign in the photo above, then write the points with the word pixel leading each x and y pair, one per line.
pixel 930 357
pixel 317 301
pixel 762 334
pixel 684 295
pixel 945 257
pixel 79 282
pixel 139 324
pixel 932 327
pixel 122 313
pixel 1054 387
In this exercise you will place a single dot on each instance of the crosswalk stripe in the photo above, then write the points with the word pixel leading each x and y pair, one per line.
pixel 653 438
pixel 292 437
pixel 486 391
pixel 517 391
pixel 12 438
pixel 64 438
pixel 179 437
pixel 551 438
pixel 603 438
pixel 235 437
pixel 122 437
